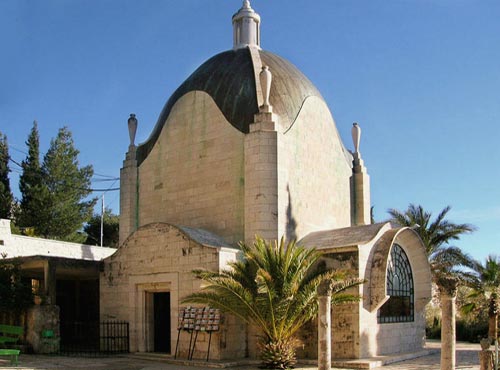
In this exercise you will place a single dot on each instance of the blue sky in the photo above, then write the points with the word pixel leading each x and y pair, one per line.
pixel 422 78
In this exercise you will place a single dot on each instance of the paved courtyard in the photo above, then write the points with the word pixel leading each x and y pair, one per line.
pixel 467 358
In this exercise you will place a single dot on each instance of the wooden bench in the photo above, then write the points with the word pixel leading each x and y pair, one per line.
pixel 10 334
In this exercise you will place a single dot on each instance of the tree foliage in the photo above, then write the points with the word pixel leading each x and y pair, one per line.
pixel 275 288
pixel 34 193
pixel 436 235
pixel 15 294
pixel 63 207
pixel 485 294
pixel 111 224
pixel 6 197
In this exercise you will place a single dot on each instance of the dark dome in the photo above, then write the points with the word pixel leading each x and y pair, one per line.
pixel 229 78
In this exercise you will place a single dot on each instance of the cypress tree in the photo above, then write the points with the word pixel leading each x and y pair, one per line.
pixel 31 185
pixel 6 197
pixel 65 209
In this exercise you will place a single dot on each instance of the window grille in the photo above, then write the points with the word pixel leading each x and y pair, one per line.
pixel 400 305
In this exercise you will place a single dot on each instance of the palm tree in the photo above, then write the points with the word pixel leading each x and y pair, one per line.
pixel 486 284
pixel 436 235
pixel 273 287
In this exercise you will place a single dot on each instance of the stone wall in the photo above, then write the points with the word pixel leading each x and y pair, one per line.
pixel 40 319
pixel 160 258
pixel 194 175
pixel 315 176
pixel 344 317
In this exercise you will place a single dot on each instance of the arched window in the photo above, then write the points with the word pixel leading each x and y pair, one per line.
pixel 399 306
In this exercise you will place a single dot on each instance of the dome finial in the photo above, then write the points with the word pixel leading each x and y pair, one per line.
pixel 132 128
pixel 356 136
pixel 266 78
pixel 246 27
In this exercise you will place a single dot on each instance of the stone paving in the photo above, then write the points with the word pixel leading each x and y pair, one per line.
pixel 467 358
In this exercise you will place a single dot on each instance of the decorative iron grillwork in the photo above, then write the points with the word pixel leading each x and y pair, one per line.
pixel 400 305
pixel 94 338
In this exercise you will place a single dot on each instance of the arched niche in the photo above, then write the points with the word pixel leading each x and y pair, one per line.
pixel 409 241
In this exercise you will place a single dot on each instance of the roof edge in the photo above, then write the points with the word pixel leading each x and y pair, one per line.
pixel 200 236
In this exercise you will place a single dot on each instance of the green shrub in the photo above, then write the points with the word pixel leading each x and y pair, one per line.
pixel 15 293
pixel 466 331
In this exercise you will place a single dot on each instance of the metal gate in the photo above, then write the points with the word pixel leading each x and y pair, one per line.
pixel 94 338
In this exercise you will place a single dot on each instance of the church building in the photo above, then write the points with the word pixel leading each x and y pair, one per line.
pixel 247 146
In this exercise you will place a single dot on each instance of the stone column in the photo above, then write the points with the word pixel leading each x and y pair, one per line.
pixel 360 184
pixel 261 170
pixel 448 292
pixel 129 187
pixel 42 319
pixel 49 281
pixel 324 327
pixel 486 356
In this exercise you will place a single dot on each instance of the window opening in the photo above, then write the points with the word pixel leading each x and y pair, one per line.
pixel 400 305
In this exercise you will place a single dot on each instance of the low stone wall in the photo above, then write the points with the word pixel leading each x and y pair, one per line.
pixel 42 319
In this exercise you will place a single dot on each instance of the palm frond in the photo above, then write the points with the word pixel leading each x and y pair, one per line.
pixel 436 235
pixel 274 287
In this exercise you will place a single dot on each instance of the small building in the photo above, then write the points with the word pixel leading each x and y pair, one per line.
pixel 65 280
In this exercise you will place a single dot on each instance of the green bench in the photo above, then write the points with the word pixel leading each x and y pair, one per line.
pixel 10 334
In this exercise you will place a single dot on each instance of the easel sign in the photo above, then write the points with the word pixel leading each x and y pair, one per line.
pixel 194 320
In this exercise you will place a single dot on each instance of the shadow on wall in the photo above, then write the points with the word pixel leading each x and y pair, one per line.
pixel 291 223
pixel 86 252
pixel 369 340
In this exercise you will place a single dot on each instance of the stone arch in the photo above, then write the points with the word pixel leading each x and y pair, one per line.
pixel 414 248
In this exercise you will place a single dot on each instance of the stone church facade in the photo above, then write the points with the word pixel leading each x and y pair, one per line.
pixel 247 146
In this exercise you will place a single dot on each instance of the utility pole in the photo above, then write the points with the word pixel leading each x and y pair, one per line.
pixel 102 218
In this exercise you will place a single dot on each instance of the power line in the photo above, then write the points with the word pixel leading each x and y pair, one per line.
pixel 110 203
pixel 17 149
pixel 106 180
pixel 105 190
pixel 100 175
pixel 15 162
pixel 111 188
pixel 106 177
pixel 110 178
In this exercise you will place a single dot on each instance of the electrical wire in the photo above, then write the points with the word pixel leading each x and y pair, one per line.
pixel 105 180
pixel 109 178
pixel 17 149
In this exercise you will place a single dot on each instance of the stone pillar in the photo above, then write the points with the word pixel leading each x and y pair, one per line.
pixel 448 292
pixel 261 170
pixel 486 356
pixel 324 327
pixel 49 281
pixel 129 187
pixel 43 332
pixel 360 184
